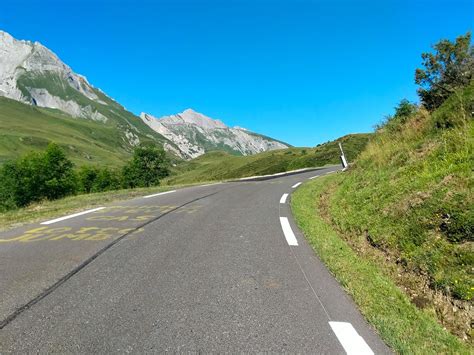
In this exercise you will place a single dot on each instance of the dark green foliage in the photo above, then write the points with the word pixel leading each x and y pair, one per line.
pixel 449 68
pixel 147 167
pixel 94 179
pixel 59 176
pixel 50 175
pixel 36 176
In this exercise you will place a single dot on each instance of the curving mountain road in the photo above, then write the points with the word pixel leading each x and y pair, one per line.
pixel 216 268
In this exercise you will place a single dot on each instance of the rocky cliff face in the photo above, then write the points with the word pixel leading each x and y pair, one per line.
pixel 195 134
pixel 24 62
pixel 33 74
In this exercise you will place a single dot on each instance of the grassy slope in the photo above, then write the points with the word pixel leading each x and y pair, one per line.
pixel 24 128
pixel 405 328
pixel 221 166
pixel 408 205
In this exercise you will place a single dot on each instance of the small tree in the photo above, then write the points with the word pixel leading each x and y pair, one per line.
pixel 450 67
pixel 60 179
pixel 147 167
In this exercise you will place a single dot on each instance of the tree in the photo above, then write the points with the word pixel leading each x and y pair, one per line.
pixel 449 68
pixel 59 176
pixel 147 167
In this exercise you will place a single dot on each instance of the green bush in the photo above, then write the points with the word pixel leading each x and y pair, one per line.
pixel 36 176
pixel 94 179
pixel 147 167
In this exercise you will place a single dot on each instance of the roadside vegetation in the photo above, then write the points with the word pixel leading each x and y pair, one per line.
pixel 223 166
pixel 406 210
pixel 50 175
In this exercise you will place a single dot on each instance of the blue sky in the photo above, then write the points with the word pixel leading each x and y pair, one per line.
pixel 301 71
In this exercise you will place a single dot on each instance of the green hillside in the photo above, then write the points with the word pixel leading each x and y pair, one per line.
pixel 221 166
pixel 24 128
pixel 408 205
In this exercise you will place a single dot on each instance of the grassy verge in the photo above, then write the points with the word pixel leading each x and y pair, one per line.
pixel 400 323
pixel 47 209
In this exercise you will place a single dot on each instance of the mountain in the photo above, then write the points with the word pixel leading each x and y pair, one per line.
pixel 195 134
pixel 32 74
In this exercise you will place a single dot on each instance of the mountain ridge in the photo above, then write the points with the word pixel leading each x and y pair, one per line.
pixel 196 134
pixel 33 74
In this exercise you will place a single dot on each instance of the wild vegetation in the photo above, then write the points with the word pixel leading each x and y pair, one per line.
pixel 407 204
pixel 50 175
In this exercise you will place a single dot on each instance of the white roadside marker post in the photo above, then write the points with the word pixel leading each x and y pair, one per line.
pixel 343 158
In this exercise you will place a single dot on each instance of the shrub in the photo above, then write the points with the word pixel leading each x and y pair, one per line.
pixel 148 165
pixel 36 176
pixel 94 179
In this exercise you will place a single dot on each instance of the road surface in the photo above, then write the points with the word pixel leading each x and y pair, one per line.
pixel 214 268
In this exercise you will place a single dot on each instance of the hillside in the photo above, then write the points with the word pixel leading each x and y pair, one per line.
pixel 220 165
pixel 32 74
pixel 408 205
pixel 25 128
pixel 194 134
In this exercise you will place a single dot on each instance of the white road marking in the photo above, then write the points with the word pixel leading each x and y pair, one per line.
pixel 350 340
pixel 283 198
pixel 296 185
pixel 72 215
pixel 313 177
pixel 215 183
pixel 158 194
pixel 329 172
pixel 289 235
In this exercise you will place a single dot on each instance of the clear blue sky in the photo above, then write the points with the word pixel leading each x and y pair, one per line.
pixel 300 71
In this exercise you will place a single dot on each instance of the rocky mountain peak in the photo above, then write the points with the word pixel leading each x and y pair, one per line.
pixel 194 134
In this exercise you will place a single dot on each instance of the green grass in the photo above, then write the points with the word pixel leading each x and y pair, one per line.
pixel 25 128
pixel 404 327
pixel 222 166
pixel 408 205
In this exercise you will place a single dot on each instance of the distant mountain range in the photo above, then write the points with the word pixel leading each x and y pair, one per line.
pixel 32 74
pixel 195 134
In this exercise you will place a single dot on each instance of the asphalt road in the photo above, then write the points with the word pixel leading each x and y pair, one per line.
pixel 204 269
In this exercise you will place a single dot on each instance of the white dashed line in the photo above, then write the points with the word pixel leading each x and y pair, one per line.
pixel 313 177
pixel 329 172
pixel 350 340
pixel 283 198
pixel 296 185
pixel 289 235
pixel 159 194
pixel 72 215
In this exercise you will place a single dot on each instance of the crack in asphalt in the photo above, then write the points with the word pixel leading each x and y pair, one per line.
pixel 78 268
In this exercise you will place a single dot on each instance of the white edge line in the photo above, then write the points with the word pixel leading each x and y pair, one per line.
pixel 277 174
pixel 288 232
pixel 72 215
pixel 160 193
pixel 350 340
pixel 215 183
pixel 296 185
pixel 283 198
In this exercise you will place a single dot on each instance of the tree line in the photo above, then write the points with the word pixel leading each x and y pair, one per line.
pixel 50 175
